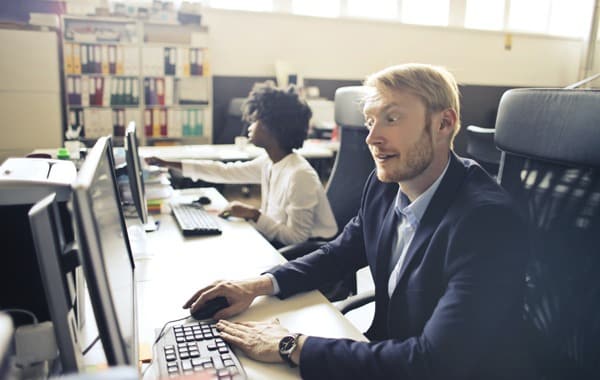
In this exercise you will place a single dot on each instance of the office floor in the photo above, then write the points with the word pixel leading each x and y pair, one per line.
pixel 360 317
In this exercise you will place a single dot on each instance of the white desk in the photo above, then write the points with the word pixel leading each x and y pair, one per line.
pixel 312 149
pixel 175 267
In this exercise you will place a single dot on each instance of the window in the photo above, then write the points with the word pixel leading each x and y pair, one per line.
pixel 571 18
pixel 321 8
pixel 246 5
pixel 485 14
pixel 529 16
pixel 426 12
pixel 382 9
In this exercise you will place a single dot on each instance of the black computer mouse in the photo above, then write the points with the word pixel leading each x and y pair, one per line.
pixel 203 200
pixel 209 309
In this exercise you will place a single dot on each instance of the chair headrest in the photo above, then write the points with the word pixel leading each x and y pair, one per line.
pixel 348 106
pixel 235 106
pixel 556 125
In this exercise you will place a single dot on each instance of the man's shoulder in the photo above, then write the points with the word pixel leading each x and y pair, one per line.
pixel 480 191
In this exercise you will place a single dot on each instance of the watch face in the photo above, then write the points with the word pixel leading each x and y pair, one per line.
pixel 287 344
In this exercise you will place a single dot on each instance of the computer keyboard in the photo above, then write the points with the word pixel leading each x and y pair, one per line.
pixel 195 347
pixel 194 221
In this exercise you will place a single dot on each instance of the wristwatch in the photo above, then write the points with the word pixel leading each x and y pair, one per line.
pixel 287 346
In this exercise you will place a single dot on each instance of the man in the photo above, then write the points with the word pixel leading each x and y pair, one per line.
pixel 294 207
pixel 445 245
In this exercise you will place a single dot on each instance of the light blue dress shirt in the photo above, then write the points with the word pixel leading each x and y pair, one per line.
pixel 410 215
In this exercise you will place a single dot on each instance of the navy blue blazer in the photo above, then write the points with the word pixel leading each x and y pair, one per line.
pixel 455 313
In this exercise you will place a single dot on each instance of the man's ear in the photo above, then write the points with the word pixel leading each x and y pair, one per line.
pixel 448 122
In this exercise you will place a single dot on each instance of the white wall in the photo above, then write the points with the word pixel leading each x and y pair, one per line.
pixel 30 107
pixel 248 44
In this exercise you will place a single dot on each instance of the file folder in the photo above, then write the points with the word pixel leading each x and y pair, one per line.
pixel 112 59
pixel 135 92
pixel 68 53
pixel 97 59
pixel 84 59
pixel 163 122
pixel 77 91
pixel 148 122
pixel 160 91
pixel 104 62
pixel 156 122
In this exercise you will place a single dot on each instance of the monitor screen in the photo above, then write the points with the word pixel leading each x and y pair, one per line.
pixel 105 254
pixel 134 172
pixel 58 279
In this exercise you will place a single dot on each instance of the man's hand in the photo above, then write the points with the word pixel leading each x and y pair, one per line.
pixel 241 210
pixel 258 340
pixel 239 294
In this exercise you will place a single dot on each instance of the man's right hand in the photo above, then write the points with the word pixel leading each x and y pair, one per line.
pixel 239 294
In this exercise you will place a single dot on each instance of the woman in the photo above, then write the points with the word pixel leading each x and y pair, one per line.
pixel 294 207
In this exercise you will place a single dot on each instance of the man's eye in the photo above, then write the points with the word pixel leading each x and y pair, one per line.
pixel 369 123
pixel 392 119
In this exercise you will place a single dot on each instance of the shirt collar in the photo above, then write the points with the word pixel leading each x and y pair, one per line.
pixel 281 163
pixel 414 211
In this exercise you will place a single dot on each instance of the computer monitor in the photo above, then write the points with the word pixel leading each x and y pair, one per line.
pixel 105 254
pixel 58 278
pixel 134 172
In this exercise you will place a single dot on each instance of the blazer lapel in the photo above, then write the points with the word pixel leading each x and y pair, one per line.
pixel 378 328
pixel 443 197
pixel 384 248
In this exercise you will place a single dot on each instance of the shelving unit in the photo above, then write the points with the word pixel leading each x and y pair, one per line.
pixel 118 70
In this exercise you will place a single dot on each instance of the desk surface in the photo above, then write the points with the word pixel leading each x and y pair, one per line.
pixel 231 152
pixel 173 267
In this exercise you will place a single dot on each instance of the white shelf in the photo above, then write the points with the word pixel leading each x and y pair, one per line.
pixel 140 60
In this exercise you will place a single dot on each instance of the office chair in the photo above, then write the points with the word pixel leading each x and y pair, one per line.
pixel 352 166
pixel 481 147
pixel 234 126
pixel 550 143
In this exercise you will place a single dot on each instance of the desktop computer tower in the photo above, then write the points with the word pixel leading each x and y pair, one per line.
pixel 23 182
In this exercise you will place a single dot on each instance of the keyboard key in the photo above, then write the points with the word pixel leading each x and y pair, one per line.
pixel 186 365
pixel 198 362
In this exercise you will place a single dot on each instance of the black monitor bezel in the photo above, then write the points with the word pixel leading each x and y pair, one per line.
pixel 57 279
pixel 134 172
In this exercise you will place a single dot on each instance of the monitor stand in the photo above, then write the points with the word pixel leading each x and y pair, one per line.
pixel 152 225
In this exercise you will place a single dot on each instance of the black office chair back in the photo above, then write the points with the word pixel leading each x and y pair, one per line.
pixel 353 163
pixel 352 166
pixel 481 147
pixel 234 125
pixel 550 140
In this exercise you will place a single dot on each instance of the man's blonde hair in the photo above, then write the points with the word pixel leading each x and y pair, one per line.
pixel 435 86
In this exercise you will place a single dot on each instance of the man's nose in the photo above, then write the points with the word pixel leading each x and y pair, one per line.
pixel 373 138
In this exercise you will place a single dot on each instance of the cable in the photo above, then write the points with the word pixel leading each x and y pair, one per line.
pixel 22 311
pixel 158 338
pixel 89 347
